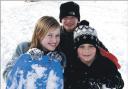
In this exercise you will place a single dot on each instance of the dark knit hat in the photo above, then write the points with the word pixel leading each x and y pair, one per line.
pixel 85 34
pixel 69 9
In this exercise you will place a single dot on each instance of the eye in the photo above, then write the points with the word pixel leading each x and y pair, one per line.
pixel 91 46
pixel 58 35
pixel 81 46
pixel 65 18
pixel 50 35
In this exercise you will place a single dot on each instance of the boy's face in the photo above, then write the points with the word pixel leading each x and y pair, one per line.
pixel 51 39
pixel 70 23
pixel 86 53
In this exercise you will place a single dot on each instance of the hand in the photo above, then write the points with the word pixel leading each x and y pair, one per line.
pixel 95 84
pixel 58 56
pixel 115 82
pixel 35 53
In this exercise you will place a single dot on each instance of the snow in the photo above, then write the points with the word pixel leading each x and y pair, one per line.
pixel 32 77
pixel 109 18
pixel 52 80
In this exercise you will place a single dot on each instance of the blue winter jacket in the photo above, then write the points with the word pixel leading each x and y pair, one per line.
pixel 20 49
pixel 43 72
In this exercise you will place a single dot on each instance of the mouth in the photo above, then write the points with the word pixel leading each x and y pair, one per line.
pixel 70 24
pixel 86 55
pixel 52 45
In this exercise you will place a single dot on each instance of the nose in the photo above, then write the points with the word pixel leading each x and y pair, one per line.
pixel 69 19
pixel 55 39
pixel 86 50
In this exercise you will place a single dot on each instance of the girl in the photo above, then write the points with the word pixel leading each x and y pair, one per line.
pixel 91 69
pixel 41 67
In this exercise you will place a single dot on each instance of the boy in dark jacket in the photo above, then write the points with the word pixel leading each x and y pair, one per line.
pixel 92 70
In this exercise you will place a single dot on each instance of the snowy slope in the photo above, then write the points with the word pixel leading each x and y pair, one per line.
pixel 109 18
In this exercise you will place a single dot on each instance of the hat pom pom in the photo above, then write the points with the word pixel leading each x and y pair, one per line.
pixel 84 22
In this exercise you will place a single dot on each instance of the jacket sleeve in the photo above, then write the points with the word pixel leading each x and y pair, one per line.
pixel 113 79
pixel 21 48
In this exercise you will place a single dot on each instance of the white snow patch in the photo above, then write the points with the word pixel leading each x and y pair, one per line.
pixel 32 77
pixel 52 79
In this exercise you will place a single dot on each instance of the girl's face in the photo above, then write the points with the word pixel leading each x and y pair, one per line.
pixel 69 23
pixel 51 39
pixel 86 53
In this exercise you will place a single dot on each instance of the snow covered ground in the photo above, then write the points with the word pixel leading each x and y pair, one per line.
pixel 109 18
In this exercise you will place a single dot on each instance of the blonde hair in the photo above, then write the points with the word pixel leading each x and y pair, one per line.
pixel 41 29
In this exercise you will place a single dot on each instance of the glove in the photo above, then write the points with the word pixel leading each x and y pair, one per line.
pixel 58 56
pixel 35 53
pixel 95 84
pixel 115 82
